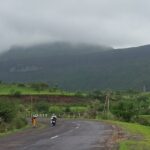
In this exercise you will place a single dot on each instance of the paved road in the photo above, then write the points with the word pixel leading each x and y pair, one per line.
pixel 67 135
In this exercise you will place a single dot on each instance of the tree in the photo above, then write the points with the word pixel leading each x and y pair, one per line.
pixel 143 104
pixel 8 111
pixel 125 109
pixel 42 107
pixel 94 108
pixel 96 94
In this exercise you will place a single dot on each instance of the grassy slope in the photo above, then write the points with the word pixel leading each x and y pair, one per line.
pixel 9 89
pixel 14 131
pixel 140 136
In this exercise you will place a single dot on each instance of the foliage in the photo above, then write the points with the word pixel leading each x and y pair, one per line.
pixel 3 127
pixel 142 134
pixel 11 115
pixel 125 110
pixel 144 120
pixel 143 102
pixel 15 93
pixel 39 86
pixel 97 94
pixel 56 109
pixel 26 89
pixel 21 85
pixel 19 123
pixel 8 110
pixel 123 105
pixel 42 107
pixel 67 110
pixel 94 108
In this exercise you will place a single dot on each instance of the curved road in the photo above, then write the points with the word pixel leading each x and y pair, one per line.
pixel 67 135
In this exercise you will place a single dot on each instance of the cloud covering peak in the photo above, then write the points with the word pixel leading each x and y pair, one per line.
pixel 117 23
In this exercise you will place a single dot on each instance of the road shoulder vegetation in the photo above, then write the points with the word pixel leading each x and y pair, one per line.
pixel 21 100
pixel 132 136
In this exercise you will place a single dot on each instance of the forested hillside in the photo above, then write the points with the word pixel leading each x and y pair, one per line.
pixel 80 67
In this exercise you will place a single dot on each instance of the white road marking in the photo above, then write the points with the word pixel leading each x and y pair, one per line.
pixel 71 131
pixel 77 125
pixel 54 137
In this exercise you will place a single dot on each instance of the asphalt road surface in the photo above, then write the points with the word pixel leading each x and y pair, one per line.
pixel 66 135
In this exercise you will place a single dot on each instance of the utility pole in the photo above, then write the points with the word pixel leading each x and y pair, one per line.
pixel 107 105
pixel 31 101
pixel 104 107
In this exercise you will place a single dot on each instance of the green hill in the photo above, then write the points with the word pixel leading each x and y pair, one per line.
pixel 79 67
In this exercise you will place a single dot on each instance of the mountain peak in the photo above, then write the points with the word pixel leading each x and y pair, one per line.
pixel 78 66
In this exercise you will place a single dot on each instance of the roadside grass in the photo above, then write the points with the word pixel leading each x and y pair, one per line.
pixel 68 110
pixel 139 138
pixel 40 126
pixel 145 116
pixel 14 131
pixel 78 109
pixel 144 120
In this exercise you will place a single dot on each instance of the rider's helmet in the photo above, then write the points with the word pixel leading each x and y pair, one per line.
pixel 53 116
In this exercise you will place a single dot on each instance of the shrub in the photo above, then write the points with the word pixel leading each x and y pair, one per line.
pixel 144 120
pixel 15 93
pixel 57 109
pixel 21 85
pixel 39 86
pixel 125 110
pixel 42 107
pixel 79 94
pixel 67 110
pixel 3 127
pixel 8 111
pixel 19 122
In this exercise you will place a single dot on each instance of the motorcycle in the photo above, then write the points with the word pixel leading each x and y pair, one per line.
pixel 53 123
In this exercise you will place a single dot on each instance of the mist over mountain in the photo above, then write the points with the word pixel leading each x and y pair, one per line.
pixel 78 66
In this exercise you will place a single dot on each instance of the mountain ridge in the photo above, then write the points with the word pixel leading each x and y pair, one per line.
pixel 97 68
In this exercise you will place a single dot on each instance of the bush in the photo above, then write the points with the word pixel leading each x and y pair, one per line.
pixel 144 120
pixel 19 123
pixel 3 127
pixel 8 111
pixel 39 86
pixel 125 110
pixel 79 94
pixel 42 107
pixel 15 93
pixel 67 110
pixel 94 108
pixel 21 85
pixel 57 109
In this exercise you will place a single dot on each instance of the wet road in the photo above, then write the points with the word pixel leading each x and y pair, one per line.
pixel 67 135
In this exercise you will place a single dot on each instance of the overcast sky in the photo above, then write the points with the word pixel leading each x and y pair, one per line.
pixel 117 23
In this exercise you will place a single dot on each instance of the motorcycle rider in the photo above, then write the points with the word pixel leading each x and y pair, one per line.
pixel 53 120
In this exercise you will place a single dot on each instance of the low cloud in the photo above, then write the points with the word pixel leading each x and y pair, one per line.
pixel 117 23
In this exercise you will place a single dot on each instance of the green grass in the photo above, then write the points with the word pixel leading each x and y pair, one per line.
pixel 78 109
pixel 140 136
pixel 28 126
pixel 72 109
pixel 146 116
pixel 14 131
pixel 9 89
